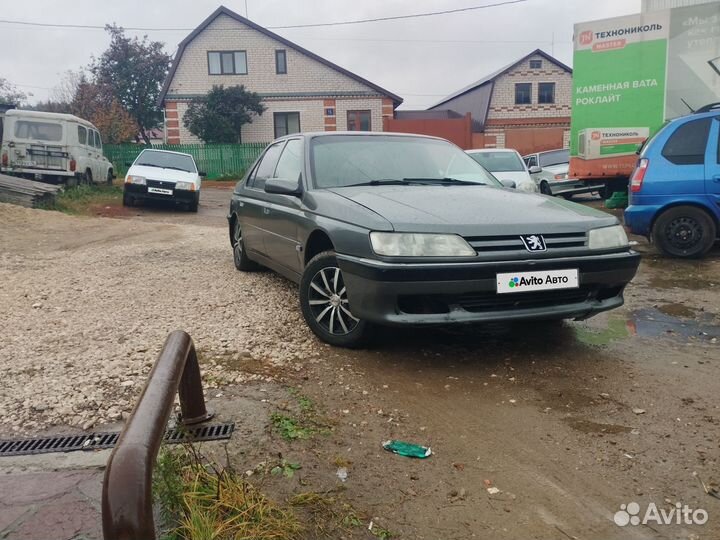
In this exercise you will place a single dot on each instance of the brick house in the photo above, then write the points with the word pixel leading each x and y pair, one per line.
pixel 301 90
pixel 524 105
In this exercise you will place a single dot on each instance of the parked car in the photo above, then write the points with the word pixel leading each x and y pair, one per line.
pixel 161 175
pixel 675 188
pixel 549 169
pixel 397 229
pixel 53 147
pixel 505 164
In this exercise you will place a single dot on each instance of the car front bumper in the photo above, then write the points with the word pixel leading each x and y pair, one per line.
pixel 447 293
pixel 140 192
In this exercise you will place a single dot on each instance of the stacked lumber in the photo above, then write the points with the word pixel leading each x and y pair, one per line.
pixel 26 192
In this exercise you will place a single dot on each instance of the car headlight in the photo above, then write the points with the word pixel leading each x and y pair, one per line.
pixel 189 186
pixel 131 179
pixel 420 245
pixel 608 238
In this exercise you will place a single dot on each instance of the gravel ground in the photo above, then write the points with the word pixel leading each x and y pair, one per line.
pixel 86 304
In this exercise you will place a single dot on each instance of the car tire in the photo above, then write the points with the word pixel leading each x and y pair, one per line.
pixel 86 179
pixel 127 200
pixel 324 304
pixel 684 231
pixel 240 256
pixel 193 206
pixel 545 188
pixel 109 179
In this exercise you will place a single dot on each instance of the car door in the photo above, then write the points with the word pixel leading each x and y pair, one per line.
pixel 712 166
pixel 255 209
pixel 281 217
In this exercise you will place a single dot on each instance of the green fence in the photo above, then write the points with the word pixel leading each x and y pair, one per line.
pixel 217 160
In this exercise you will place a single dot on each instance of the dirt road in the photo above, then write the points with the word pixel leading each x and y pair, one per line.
pixel 567 421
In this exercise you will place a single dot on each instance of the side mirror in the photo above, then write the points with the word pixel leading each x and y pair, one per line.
pixel 534 169
pixel 281 186
pixel 202 173
pixel 509 183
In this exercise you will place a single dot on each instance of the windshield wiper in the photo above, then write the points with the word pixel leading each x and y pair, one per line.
pixel 445 181
pixel 379 183
pixel 149 165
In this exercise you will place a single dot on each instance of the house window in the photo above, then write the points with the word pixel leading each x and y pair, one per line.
pixel 286 123
pixel 280 62
pixel 227 63
pixel 358 120
pixel 546 92
pixel 523 93
pixel 535 64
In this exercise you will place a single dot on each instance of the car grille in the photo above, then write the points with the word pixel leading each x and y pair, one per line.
pixel 490 301
pixel 554 242
pixel 160 184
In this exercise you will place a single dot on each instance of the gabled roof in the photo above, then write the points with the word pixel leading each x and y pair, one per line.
pixel 222 10
pixel 493 76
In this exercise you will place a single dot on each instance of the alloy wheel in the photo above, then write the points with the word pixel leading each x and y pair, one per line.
pixel 329 303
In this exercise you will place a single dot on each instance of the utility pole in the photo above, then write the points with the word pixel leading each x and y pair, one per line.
pixel 246 10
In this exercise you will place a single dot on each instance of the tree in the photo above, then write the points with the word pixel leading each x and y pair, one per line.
pixel 10 94
pixel 134 70
pixel 97 104
pixel 218 116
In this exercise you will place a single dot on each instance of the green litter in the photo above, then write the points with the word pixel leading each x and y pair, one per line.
pixel 407 449
pixel 619 199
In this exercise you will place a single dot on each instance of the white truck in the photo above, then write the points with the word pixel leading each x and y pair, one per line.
pixel 53 147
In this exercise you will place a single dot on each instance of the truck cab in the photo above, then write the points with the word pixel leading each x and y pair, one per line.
pixel 53 147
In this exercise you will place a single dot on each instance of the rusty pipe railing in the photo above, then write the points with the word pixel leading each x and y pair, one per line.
pixel 127 512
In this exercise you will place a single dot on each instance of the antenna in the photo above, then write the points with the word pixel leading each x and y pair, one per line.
pixel 246 10
pixel 688 106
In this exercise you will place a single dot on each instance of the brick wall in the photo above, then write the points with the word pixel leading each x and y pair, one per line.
pixel 502 104
pixel 309 87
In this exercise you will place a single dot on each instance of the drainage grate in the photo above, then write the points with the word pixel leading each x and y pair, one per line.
pixel 94 441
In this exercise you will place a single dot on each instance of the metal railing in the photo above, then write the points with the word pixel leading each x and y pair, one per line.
pixel 127 512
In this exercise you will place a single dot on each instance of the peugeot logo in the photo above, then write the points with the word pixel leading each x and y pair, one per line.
pixel 533 242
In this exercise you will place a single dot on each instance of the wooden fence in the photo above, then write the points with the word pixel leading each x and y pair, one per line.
pixel 217 160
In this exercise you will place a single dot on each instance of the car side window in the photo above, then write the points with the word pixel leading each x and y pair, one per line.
pixel 531 161
pixel 267 165
pixel 289 166
pixel 82 135
pixel 687 145
pixel 98 141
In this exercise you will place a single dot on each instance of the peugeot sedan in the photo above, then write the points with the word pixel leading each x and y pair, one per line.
pixel 396 229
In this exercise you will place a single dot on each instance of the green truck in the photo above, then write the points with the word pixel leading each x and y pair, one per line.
pixel 630 75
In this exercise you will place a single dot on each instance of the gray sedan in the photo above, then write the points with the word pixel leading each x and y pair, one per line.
pixel 395 229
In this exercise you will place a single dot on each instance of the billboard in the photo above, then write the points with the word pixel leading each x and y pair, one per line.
pixel 632 73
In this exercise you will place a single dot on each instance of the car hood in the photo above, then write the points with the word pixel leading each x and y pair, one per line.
pixel 474 210
pixel 165 175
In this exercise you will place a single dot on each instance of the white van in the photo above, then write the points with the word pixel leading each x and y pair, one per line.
pixel 53 147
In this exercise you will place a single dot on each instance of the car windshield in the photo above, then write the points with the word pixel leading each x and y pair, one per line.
pixel 556 157
pixel 166 160
pixel 499 161
pixel 345 160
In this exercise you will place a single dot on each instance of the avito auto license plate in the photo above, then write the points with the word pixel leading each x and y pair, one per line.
pixel 546 280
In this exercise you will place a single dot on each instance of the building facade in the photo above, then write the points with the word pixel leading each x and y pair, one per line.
pixel 524 105
pixel 300 90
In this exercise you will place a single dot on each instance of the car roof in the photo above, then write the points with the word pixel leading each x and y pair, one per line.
pixel 488 150
pixel 315 134
pixel 165 152
pixel 42 115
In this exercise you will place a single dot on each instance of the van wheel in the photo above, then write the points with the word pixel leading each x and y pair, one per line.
pixel 545 188
pixel 324 304
pixel 684 231
pixel 109 179
pixel 71 182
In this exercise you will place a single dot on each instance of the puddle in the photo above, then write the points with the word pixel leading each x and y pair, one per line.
pixel 587 426
pixel 671 321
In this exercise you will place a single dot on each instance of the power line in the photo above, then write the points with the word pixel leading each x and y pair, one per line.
pixel 284 27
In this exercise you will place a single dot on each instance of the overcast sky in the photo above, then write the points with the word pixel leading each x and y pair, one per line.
pixel 421 60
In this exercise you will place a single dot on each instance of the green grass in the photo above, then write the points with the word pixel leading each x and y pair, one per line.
pixel 202 501
pixel 79 200
pixel 291 428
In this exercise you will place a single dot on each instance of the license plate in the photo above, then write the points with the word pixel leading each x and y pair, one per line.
pixel 160 191
pixel 546 280
pixel 26 163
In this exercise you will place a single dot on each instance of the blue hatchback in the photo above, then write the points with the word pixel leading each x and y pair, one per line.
pixel 675 188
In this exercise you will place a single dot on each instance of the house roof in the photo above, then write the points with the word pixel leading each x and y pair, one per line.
pixel 492 77
pixel 222 10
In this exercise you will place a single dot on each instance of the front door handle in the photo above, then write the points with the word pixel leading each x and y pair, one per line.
pixel 266 210
pixel 716 178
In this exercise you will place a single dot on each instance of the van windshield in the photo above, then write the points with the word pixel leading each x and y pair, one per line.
pixel 38 131
pixel 166 160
